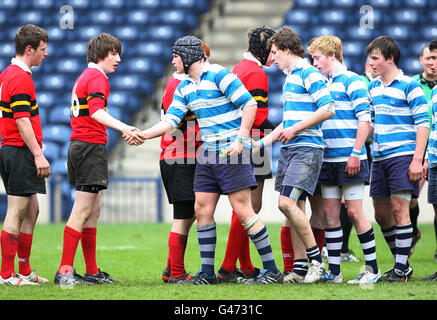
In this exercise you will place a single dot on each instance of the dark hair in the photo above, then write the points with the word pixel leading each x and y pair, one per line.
pixel 433 45
pixel 387 46
pixel 258 39
pixel 29 34
pixel 99 47
pixel 287 38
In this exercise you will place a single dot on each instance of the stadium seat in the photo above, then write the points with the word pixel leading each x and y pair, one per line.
pixel 310 4
pixel 334 16
pixel 128 32
pixel 113 4
pixel 124 100
pixel 398 32
pixel 428 33
pixel 183 19
pixel 57 82
pixel 419 4
pixel 8 4
pixel 345 4
pixel 51 150
pixel 358 33
pixel 275 115
pixel 85 33
pixel 150 4
pixel 4 18
pixel 145 66
pixel 298 17
pixel 103 17
pixel 139 17
pixel 43 4
pixel 42 115
pixel 380 3
pixel 70 66
pixel 33 17
pixel 59 115
pixel 76 50
pixel 154 49
pixel 410 65
pixel 198 6
pixel 76 4
pixel 406 16
pixel 322 30
pixel 354 48
pixel 46 99
pixel 164 33
pixel 56 33
pixel 57 133
pixel 7 50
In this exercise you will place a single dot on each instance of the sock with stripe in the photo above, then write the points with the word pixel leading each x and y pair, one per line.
pixel 300 267
pixel 334 240
pixel 261 241
pixel 88 241
pixel 287 249
pixel 389 236
pixel 177 244
pixel 9 245
pixel 207 237
pixel 313 253
pixel 71 240
pixel 404 238
pixel 23 253
pixel 367 241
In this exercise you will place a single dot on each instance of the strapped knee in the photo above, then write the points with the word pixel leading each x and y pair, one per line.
pixel 250 222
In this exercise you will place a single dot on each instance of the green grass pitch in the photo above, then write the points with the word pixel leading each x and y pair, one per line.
pixel 136 254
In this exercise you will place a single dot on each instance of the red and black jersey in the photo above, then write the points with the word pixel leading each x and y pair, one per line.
pixel 90 93
pixel 255 80
pixel 18 100
pixel 182 142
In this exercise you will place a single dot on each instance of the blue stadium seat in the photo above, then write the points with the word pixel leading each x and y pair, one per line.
pixel 298 17
pixel 164 33
pixel 132 83
pixel 432 17
pixel 103 17
pixel 275 115
pixel 345 4
pixel 124 100
pixel 428 33
pixel 56 33
pixel 398 32
pixel 410 65
pixel 150 4
pixel 76 4
pixel 51 150
pixel 33 17
pixel 42 115
pixel 57 82
pixel 57 133
pixel 46 99
pixel 334 16
pixel 380 3
pixel 358 33
pixel 59 115
pixel 4 18
pixel 76 49
pixel 128 32
pixel 354 48
pixel 310 4
pixel 322 30
pixel 43 4
pixel 70 66
pixel 139 17
pixel 8 4
pixel 198 6
pixel 419 4
pixel 113 4
pixel 417 47
pixel 152 49
pixel 85 33
pixel 4 63
pixel 145 66
pixel 185 20
pixel 406 16
pixel 7 50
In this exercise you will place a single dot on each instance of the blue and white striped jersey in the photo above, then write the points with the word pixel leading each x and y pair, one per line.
pixel 303 93
pixel 397 110
pixel 432 143
pixel 351 106
pixel 217 101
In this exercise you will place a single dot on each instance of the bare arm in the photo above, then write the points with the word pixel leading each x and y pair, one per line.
pixel 157 130
pixel 247 119
pixel 26 132
pixel 353 164
pixel 416 170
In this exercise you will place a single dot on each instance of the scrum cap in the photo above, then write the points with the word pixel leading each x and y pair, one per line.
pixel 189 49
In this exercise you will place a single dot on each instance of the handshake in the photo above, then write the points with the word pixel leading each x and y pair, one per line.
pixel 133 135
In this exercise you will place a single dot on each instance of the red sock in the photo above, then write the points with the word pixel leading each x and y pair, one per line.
pixel 88 241
pixel 287 249
pixel 23 252
pixel 237 235
pixel 245 262
pixel 9 245
pixel 319 236
pixel 176 248
pixel 71 240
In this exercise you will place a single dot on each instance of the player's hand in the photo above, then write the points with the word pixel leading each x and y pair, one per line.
pixel 42 166
pixel 353 166
pixel 133 136
pixel 234 149
pixel 415 171
pixel 287 134
pixel 256 146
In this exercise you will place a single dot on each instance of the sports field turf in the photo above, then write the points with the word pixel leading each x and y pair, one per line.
pixel 136 255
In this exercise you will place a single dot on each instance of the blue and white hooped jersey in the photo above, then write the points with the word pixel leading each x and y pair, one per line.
pixel 397 110
pixel 217 101
pixel 432 143
pixel 351 107
pixel 303 93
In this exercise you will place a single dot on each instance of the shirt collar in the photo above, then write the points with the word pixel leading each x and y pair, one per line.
pixel 398 77
pixel 96 66
pixel 21 64
pixel 179 76
pixel 249 56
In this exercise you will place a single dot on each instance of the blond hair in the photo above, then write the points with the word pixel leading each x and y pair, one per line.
pixel 328 45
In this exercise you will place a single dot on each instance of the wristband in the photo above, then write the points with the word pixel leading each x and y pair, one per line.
pixel 261 143
pixel 355 153
pixel 240 139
